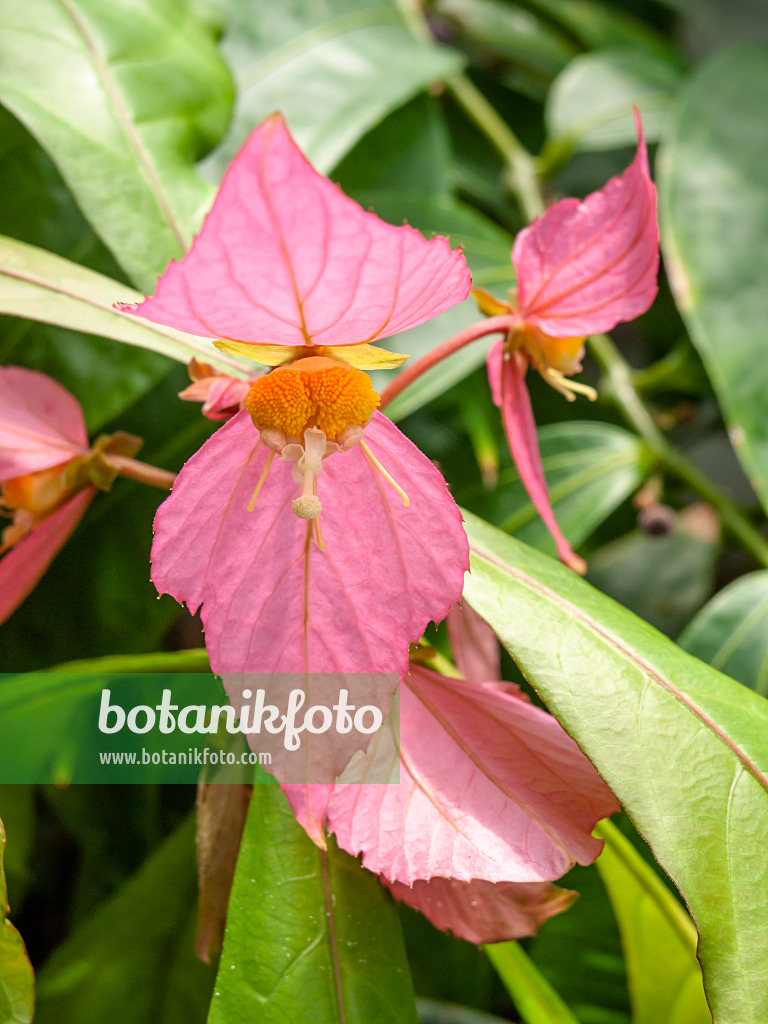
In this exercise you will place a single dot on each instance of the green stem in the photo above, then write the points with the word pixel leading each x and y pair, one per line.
pixel 622 390
pixel 524 181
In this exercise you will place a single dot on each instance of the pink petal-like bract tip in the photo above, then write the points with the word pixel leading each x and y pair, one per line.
pixel 484 912
pixel 41 423
pixel 272 601
pixel 585 266
pixel 520 431
pixel 491 788
pixel 22 567
pixel 284 257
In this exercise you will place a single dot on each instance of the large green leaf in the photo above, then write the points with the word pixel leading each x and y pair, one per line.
pixel 714 217
pixel 590 103
pixel 17 998
pixel 731 632
pixel 684 748
pixel 311 936
pixel 105 378
pixel 124 96
pixel 659 938
pixel 38 285
pixel 334 67
pixel 134 961
pixel 590 468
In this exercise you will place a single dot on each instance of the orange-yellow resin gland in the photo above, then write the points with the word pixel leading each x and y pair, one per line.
pixel 312 392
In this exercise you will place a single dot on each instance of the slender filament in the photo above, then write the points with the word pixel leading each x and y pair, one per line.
pixel 569 388
pixel 260 484
pixel 319 533
pixel 377 465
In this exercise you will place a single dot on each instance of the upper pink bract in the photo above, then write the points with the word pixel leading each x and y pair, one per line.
pixel 491 788
pixel 284 257
pixel 271 602
pixel 41 423
pixel 585 266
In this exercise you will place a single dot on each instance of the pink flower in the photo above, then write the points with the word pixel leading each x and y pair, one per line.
pixel 222 396
pixel 494 801
pixel 48 475
pixel 43 447
pixel 289 271
pixel 581 269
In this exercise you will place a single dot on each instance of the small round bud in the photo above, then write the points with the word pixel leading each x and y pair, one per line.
pixel 307 506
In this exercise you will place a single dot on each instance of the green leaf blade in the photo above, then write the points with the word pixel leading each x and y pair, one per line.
pixel 682 747
pixel 335 68
pixel 730 633
pixel 124 96
pixel 40 286
pixel 713 207
pixel 310 935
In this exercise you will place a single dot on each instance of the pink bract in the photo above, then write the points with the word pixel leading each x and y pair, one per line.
pixel 22 567
pixel 271 600
pixel 474 645
pixel 491 788
pixel 585 266
pixel 507 380
pixel 483 912
pixel 41 423
pixel 284 257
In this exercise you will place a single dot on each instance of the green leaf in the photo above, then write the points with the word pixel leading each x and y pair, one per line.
pixel 663 579
pixel 731 632
pixel 125 96
pixel 134 961
pixel 106 380
pixel 684 748
pixel 536 1000
pixel 590 104
pixel 590 469
pixel 40 286
pixel 17 988
pixel 311 936
pixel 659 938
pixel 333 67
pixel 714 219
pixel 535 49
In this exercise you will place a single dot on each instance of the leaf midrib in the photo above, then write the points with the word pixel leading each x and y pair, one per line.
pixel 129 129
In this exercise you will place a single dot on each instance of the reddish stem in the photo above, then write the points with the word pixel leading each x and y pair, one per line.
pixel 141 471
pixel 491 325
